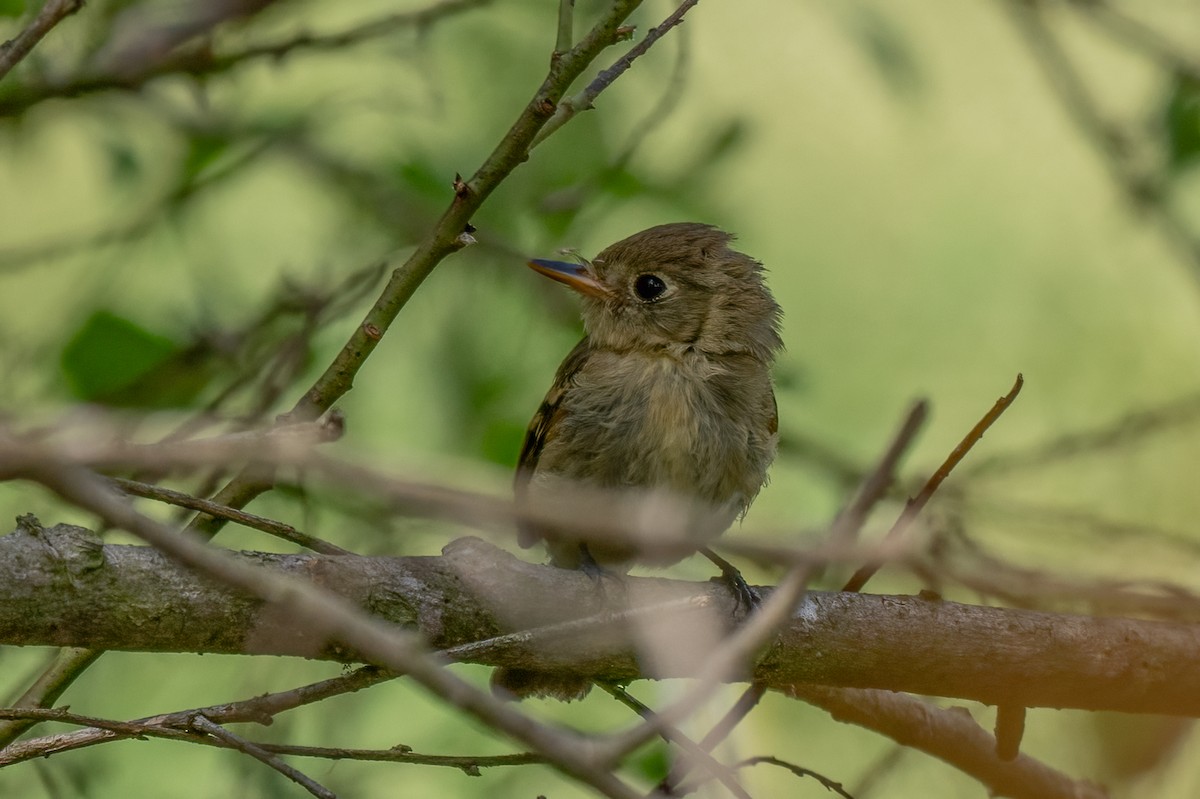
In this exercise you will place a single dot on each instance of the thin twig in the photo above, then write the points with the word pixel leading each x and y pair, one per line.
pixel 52 13
pixel 916 504
pixel 251 520
pixel 566 26
pixel 262 756
pixel 64 669
pixel 672 734
pixel 950 735
pixel 1134 33
pixel 849 522
pixel 259 709
pixel 799 771
pixel 203 61
pixel 991 576
pixel 730 658
pixel 745 703
pixel 468 764
pixel 1131 428
pixel 843 532
pixel 63 715
pixel 585 99
pixel 263 708
pixel 173 726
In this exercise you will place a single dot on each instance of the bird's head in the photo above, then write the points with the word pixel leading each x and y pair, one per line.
pixel 677 286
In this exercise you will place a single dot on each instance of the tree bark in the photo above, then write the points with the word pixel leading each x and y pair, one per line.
pixel 62 586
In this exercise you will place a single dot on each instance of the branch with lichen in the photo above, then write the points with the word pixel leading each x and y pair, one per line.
pixel 479 604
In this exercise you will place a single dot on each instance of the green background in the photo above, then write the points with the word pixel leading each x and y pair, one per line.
pixel 932 220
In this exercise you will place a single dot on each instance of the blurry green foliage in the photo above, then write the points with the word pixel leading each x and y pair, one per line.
pixel 203 149
pixel 419 177
pixel 112 360
pixel 478 391
pixel 1182 121
pixel 887 48
pixel 653 762
pixel 931 254
pixel 12 8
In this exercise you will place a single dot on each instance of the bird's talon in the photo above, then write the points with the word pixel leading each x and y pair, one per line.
pixel 743 595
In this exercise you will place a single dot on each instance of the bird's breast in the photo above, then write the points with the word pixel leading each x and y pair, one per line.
pixel 647 421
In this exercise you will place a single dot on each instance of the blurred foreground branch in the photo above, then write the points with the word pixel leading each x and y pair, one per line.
pixel 149 48
pixel 949 734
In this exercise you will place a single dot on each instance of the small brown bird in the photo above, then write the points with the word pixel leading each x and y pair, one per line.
pixel 669 391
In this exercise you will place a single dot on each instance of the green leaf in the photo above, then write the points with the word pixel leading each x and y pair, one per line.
pixel 203 149
pixel 1182 121
pixel 421 178
pixel 114 361
pixel 622 183
pixel 12 8
pixel 653 764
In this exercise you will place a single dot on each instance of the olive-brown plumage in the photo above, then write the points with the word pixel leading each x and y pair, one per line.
pixel 670 390
pixel 669 393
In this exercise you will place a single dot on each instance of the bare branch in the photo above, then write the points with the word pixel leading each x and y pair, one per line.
pixel 1129 429
pixel 672 734
pixel 845 530
pixel 584 100
pixel 915 505
pixel 950 735
pixel 467 600
pixel 125 72
pixel 566 26
pixel 259 709
pixel 828 784
pixel 52 13
pixel 738 649
pixel 1129 31
pixel 172 726
pixel 258 753
pixel 253 521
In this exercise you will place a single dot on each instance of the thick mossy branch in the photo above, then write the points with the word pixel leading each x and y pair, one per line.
pixel 61 586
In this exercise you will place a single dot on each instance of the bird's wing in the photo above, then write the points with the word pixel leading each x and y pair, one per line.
pixel 542 430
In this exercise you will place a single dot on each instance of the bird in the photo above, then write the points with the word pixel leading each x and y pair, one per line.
pixel 669 392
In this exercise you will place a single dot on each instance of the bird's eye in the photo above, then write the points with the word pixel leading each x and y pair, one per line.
pixel 649 287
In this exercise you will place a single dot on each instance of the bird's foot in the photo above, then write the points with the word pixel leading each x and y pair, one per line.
pixel 602 577
pixel 743 595
pixel 588 564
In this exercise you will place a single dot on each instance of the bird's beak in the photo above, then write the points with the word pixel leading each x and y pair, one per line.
pixel 576 276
